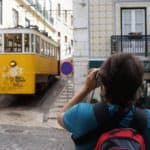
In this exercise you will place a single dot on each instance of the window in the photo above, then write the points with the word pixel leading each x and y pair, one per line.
pixel 66 16
pixel 1 46
pixel 26 42
pixel 13 42
pixel 133 23
pixel 51 19
pixel 15 17
pixel 1 14
pixel 71 20
pixel 37 46
pixel 50 6
pixel 66 39
pixel 71 42
pixel 59 10
pixel 32 42
pixel 42 47
pixel 27 22
pixel 48 49
pixel 133 20
pixel 59 34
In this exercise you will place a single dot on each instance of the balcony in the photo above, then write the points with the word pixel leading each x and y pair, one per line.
pixel 136 44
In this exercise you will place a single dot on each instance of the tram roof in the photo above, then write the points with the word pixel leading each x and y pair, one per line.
pixel 28 30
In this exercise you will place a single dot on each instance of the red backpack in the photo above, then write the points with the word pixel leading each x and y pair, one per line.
pixel 120 139
pixel 110 136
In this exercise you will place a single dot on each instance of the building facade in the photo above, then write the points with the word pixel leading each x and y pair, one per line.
pixel 118 18
pixel 81 41
pixel 113 26
pixel 42 14
pixel 64 26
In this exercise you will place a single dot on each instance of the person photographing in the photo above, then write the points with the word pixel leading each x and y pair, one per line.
pixel 119 78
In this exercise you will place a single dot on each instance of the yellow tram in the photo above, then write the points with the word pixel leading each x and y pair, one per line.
pixel 28 58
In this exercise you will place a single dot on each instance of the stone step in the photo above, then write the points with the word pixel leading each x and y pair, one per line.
pixel 65 95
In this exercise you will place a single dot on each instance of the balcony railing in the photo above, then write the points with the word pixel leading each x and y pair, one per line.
pixel 135 44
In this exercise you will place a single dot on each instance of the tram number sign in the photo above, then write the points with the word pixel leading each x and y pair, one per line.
pixel 66 68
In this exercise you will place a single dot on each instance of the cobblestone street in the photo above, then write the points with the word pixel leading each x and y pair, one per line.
pixel 34 129
pixel 31 138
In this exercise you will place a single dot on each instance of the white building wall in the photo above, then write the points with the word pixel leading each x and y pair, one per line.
pixel 101 27
pixel 81 42
pixel 65 28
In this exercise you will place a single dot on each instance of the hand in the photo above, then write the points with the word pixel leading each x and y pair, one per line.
pixel 91 82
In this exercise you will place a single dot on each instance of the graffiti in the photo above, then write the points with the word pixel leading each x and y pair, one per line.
pixel 12 77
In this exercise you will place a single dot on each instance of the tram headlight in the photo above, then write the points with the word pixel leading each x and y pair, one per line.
pixel 12 63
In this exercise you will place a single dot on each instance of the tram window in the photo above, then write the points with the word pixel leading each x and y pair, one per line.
pixel 52 50
pixel 32 43
pixel 26 42
pixel 48 49
pixel 42 46
pixel 37 46
pixel 13 42
pixel 1 43
pixel 55 51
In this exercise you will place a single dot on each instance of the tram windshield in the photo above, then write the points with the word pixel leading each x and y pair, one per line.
pixel 13 42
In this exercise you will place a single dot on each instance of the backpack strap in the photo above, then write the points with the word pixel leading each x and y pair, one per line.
pixel 95 133
pixel 106 122
pixel 139 122
pixel 101 110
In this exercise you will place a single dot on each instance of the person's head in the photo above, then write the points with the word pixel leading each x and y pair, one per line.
pixel 122 74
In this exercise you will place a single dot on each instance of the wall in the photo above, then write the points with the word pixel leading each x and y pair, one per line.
pixel 81 41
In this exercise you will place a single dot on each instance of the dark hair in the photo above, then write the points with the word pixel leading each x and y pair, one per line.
pixel 122 74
